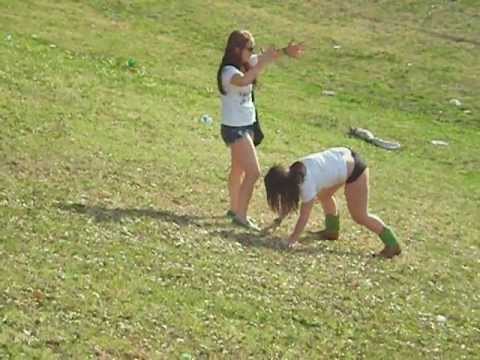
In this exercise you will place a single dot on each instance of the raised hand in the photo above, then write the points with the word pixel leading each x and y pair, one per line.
pixel 295 50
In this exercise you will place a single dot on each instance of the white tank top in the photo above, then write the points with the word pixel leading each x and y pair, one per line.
pixel 323 170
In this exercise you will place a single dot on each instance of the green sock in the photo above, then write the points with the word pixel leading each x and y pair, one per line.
pixel 388 237
pixel 332 223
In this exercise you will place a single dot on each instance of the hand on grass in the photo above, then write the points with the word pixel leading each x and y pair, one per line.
pixel 293 244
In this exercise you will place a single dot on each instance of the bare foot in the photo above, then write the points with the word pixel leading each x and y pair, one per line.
pixel 389 252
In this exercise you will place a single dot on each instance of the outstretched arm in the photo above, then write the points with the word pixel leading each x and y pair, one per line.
pixel 292 50
pixel 305 210
pixel 249 77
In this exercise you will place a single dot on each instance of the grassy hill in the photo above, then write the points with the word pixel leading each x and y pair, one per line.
pixel 113 241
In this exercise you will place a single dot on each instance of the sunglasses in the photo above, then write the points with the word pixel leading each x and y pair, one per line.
pixel 251 49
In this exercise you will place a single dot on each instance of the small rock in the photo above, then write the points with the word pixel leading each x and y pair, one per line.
pixel 441 319
pixel 53 46
pixel 8 37
pixel 467 112
pixel 456 102
pixel 336 47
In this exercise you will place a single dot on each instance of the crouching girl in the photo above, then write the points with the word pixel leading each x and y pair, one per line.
pixel 319 176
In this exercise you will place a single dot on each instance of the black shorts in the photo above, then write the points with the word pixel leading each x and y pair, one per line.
pixel 359 167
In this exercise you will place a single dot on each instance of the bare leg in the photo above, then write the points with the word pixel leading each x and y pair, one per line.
pixel 243 150
pixel 327 199
pixel 235 180
pixel 357 201
pixel 332 221
pixel 329 205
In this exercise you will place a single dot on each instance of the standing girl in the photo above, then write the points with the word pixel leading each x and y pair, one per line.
pixel 319 176
pixel 236 76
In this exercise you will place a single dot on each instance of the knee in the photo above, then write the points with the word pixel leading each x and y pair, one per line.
pixel 253 174
pixel 360 219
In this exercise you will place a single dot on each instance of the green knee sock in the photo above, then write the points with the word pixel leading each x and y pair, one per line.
pixel 388 237
pixel 332 223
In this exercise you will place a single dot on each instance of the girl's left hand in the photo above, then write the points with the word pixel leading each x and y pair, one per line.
pixel 269 56
pixel 295 50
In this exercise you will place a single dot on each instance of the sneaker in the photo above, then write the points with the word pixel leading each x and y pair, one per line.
pixel 249 224
pixel 231 214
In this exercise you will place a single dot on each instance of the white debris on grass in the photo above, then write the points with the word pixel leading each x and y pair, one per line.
pixel 439 143
pixel 369 137
pixel 206 119
pixel 328 93
pixel 456 102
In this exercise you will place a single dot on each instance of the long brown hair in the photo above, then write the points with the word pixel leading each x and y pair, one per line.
pixel 283 187
pixel 238 39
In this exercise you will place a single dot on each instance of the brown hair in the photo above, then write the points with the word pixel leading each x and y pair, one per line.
pixel 237 40
pixel 283 187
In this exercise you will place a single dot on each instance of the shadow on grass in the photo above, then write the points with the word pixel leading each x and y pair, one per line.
pixel 270 241
pixel 225 231
pixel 252 239
pixel 309 250
pixel 325 246
pixel 104 214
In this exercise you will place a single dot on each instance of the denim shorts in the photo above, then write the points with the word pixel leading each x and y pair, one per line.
pixel 230 134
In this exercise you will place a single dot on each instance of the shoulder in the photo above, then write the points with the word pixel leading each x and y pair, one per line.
pixel 307 187
pixel 230 69
pixel 228 72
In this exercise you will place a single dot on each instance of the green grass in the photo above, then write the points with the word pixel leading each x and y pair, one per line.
pixel 113 242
